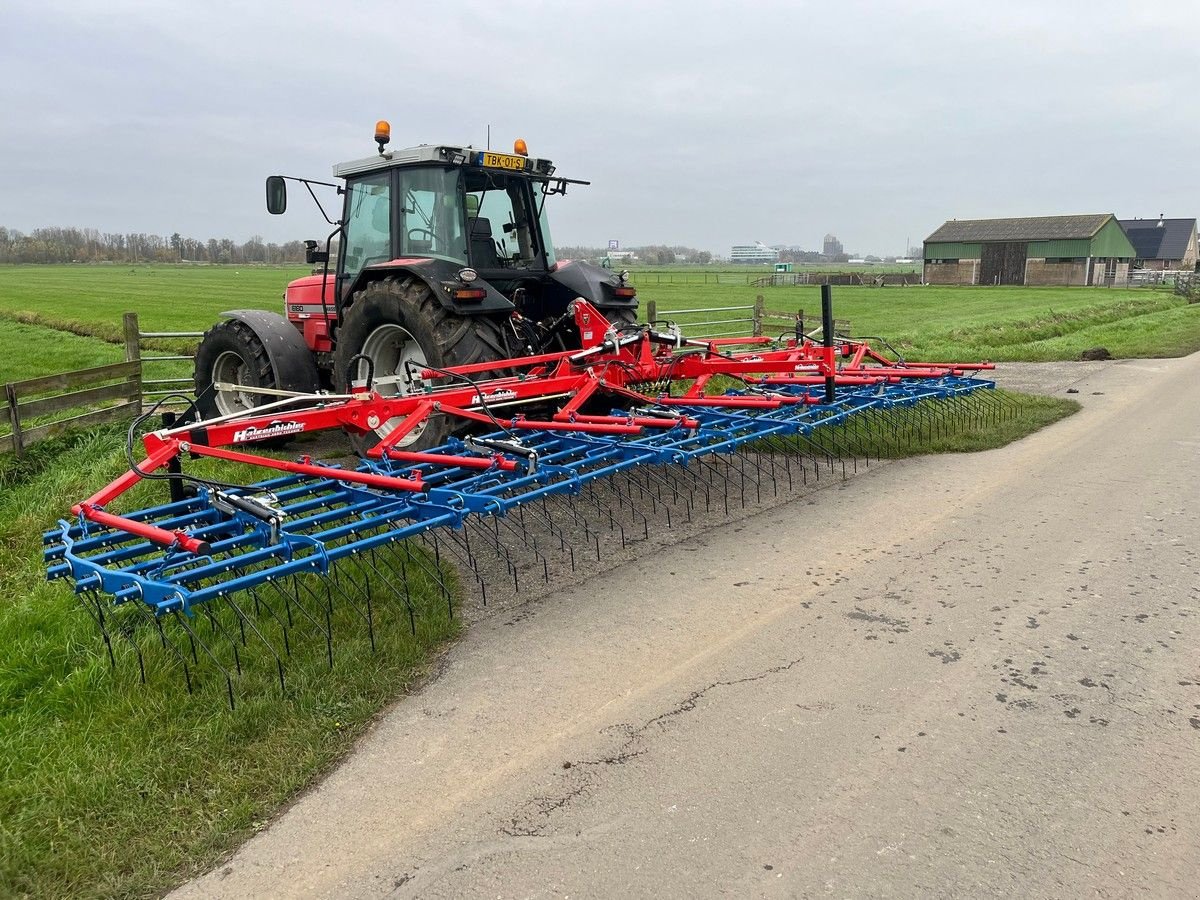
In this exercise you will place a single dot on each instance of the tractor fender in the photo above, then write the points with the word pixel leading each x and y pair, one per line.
pixel 592 283
pixel 294 365
pixel 442 277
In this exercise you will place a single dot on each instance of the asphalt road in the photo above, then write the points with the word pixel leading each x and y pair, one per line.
pixel 972 676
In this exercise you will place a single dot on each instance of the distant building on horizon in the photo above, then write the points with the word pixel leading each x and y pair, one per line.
pixel 758 252
pixel 1163 244
pixel 831 246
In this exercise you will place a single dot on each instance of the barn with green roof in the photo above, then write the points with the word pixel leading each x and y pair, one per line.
pixel 1035 250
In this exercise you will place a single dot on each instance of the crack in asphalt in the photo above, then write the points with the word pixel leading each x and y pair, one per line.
pixel 535 818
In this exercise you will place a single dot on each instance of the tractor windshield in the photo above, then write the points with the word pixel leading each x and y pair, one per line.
pixel 476 217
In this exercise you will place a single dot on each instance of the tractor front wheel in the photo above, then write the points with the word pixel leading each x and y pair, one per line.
pixel 231 357
pixel 400 326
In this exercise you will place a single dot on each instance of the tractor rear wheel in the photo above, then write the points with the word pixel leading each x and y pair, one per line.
pixel 231 353
pixel 397 322
pixel 621 317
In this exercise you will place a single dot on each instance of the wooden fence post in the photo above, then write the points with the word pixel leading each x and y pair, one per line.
pixel 133 351
pixel 14 418
pixel 129 325
pixel 758 315
pixel 651 311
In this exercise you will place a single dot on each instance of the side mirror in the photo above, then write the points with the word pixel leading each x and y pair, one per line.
pixel 276 195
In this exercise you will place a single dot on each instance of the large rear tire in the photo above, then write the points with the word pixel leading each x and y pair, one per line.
pixel 621 317
pixel 396 321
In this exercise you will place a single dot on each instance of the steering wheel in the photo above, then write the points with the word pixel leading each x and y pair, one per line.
pixel 415 234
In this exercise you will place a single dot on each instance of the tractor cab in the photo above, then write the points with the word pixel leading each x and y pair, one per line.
pixel 472 223
pixel 458 205
pixel 445 260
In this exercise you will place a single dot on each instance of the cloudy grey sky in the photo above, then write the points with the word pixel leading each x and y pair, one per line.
pixel 698 123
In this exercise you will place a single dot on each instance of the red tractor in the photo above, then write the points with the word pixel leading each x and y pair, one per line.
pixel 445 260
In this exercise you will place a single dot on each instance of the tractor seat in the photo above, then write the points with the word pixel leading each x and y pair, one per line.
pixel 483 248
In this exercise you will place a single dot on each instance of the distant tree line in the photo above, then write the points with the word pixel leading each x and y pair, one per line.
pixel 88 245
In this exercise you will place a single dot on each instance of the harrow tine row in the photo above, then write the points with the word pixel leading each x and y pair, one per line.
pixel 328 519
pixel 223 638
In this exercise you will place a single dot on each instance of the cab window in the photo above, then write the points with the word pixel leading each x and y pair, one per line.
pixel 368 223
pixel 502 225
pixel 430 214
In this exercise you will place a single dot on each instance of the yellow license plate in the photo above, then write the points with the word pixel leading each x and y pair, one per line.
pixel 504 161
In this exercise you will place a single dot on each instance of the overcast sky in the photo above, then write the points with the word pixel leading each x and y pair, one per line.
pixel 704 124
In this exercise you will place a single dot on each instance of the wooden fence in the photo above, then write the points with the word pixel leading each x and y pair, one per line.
pixel 39 408
pixel 36 405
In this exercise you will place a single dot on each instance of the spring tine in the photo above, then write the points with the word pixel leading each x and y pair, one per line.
pixel 386 571
pixel 195 639
pixel 179 654
pixel 88 600
pixel 530 542
pixel 218 628
pixel 296 597
pixel 704 468
pixel 602 509
pixel 836 451
pixel 612 485
pixel 284 629
pixel 501 551
pixel 266 643
pixel 747 462
pixel 341 572
pixel 461 548
pixel 431 569
pixel 681 488
pixel 555 531
pixel 654 491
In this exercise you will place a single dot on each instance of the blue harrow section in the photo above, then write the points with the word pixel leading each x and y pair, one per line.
pixel 325 520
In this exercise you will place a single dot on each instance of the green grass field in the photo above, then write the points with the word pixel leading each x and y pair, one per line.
pixel 115 788
pixel 979 323
pixel 937 323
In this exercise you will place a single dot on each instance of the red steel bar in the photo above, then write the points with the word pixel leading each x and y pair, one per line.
pixel 141 529
pixel 299 468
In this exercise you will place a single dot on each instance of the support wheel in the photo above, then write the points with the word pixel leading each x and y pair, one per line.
pixel 397 321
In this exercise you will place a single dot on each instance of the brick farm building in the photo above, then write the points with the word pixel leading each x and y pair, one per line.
pixel 1037 250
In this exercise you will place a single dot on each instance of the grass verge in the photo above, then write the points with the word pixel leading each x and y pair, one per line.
pixel 985 420
pixel 112 787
